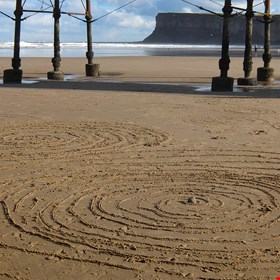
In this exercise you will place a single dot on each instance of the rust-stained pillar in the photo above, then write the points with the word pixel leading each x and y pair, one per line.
pixel 223 82
pixel 91 69
pixel 56 74
pixel 15 75
pixel 265 74
pixel 248 60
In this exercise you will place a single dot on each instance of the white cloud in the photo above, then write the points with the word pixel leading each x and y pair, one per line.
pixel 132 21
pixel 39 21
pixel 7 4
pixel 187 10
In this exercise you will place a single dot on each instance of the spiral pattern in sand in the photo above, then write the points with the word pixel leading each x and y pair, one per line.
pixel 172 210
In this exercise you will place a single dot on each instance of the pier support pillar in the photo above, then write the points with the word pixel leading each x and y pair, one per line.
pixel 56 74
pixel 14 75
pixel 91 68
pixel 223 82
pixel 265 74
pixel 248 61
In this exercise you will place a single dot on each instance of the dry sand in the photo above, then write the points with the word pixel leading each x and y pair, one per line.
pixel 127 176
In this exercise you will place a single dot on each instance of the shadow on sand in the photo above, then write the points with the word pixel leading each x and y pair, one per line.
pixel 169 88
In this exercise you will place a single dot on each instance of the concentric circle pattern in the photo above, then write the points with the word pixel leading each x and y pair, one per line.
pixel 51 139
pixel 171 210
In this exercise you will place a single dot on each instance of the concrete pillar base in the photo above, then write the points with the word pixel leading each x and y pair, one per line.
pixel 12 76
pixel 246 81
pixel 55 75
pixel 92 70
pixel 222 84
pixel 265 74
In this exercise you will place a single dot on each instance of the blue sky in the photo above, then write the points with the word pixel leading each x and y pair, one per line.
pixel 132 23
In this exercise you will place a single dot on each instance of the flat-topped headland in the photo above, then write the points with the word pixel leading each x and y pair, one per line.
pixel 201 28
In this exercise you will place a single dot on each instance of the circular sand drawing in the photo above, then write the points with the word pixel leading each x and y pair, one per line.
pixel 213 213
pixel 48 143
pixel 65 140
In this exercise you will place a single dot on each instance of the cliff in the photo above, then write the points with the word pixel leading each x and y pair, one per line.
pixel 184 28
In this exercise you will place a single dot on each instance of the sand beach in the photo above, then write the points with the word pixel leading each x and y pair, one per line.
pixel 140 173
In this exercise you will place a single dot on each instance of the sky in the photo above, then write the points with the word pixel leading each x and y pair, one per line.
pixel 130 24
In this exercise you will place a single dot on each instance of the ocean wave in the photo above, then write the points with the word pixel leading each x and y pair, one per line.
pixel 49 45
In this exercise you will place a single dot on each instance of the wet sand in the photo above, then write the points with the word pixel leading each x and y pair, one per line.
pixel 141 173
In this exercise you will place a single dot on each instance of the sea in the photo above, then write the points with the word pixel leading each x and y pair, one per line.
pixel 78 49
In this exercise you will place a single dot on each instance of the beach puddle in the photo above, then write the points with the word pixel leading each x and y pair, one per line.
pixel 235 89
pixel 25 82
